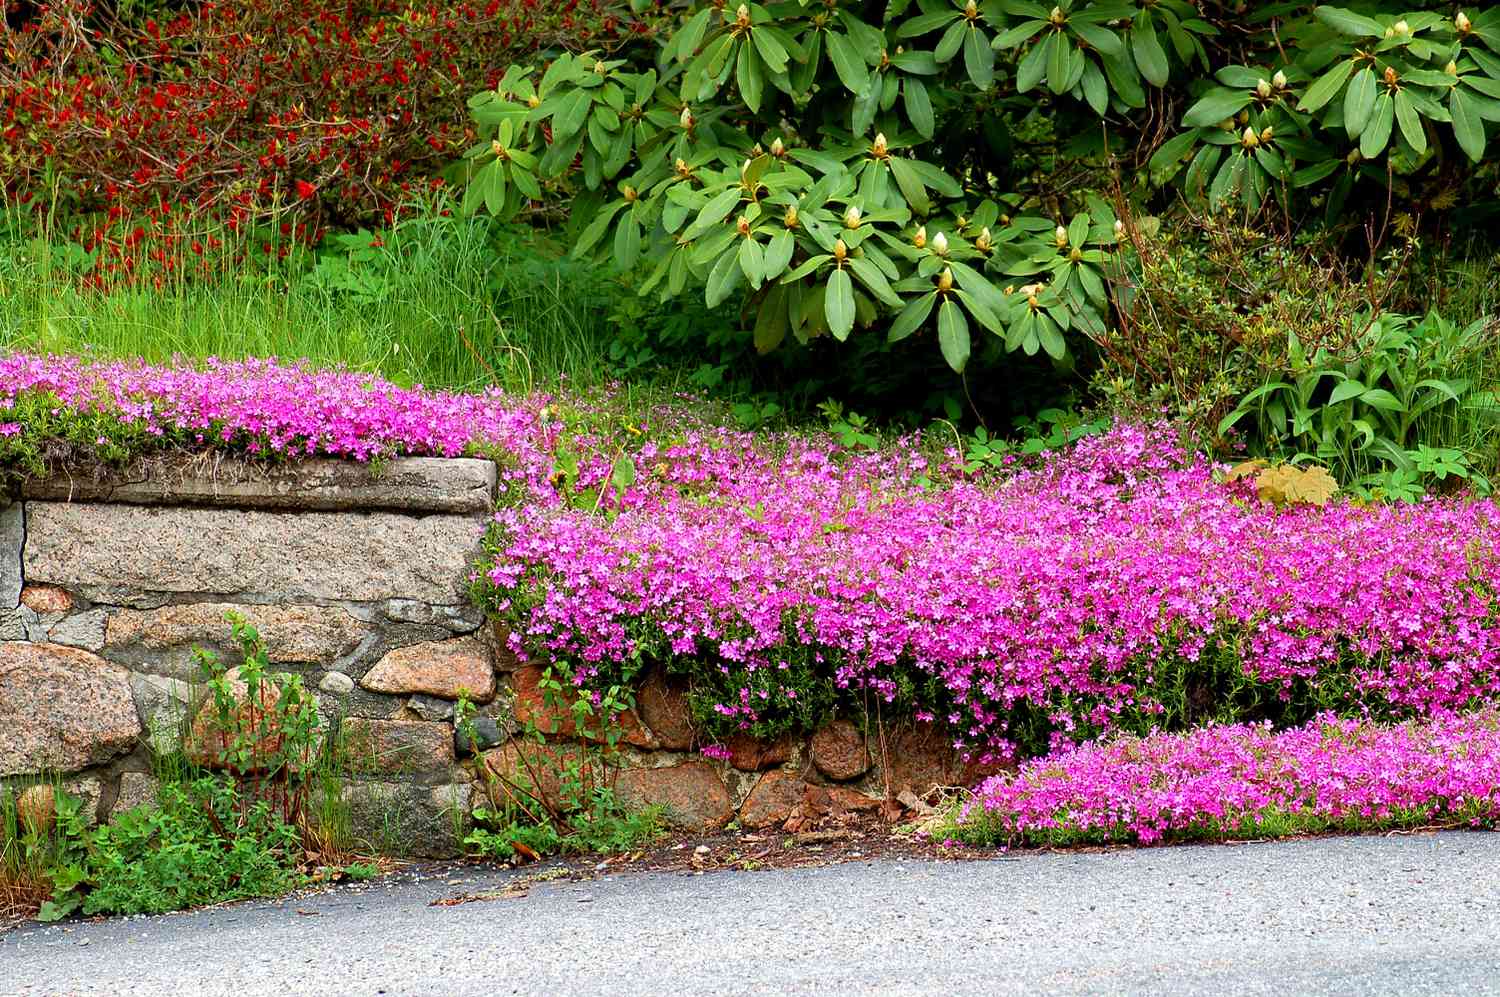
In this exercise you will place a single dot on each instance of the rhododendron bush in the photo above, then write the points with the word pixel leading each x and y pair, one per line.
pixel 302 114
pixel 1119 585
pixel 1247 781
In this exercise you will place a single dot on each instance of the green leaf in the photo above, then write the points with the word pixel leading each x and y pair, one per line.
pixel 691 35
pixel 574 112
pixel 1372 141
pixel 1325 88
pixel 627 243
pixel 1150 57
pixel 749 78
pixel 910 184
pixel 1019 35
pixel 912 317
pixel 753 262
pixel 1359 101
pixel 771 50
pixel 1095 89
pixel 923 23
pixel 771 321
pixel 1349 23
pixel 1468 129
pixel 1382 399
pixel 851 69
pixel 714 212
pixel 1411 124
pixel 778 254
pixel 1167 160
pixel 1059 57
pixel 918 106
pixel 1033 66
pixel 979 59
pixel 951 42
pixel 622 474
pixel 953 335
pixel 1100 38
pixel 838 304
pixel 722 279
pixel 1214 106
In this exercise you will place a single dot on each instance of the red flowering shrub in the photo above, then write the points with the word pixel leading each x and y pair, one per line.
pixel 299 113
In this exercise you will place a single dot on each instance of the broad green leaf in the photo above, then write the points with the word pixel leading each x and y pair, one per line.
pixel 951 42
pixel 622 474
pixel 1346 390
pixel 1359 101
pixel 1150 57
pixel 714 212
pixel 1468 129
pixel 753 262
pixel 1411 124
pixel 979 59
pixel 918 106
pixel 1382 399
pixel 574 112
pixel 1059 62
pixel 771 50
pixel 1214 106
pixel 1349 23
pixel 1095 89
pixel 912 317
pixel 722 279
pixel 870 276
pixel 1033 66
pixel 778 254
pixel 910 184
pixel 1020 34
pixel 1372 141
pixel 1326 87
pixel 627 243
pixel 838 304
pixel 1167 160
pixel 953 335
pixel 851 69
pixel 749 78
pixel 1100 38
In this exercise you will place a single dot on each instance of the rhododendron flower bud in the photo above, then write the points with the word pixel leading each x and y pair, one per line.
pixel 1060 236
pixel 1262 88
pixel 1402 28
pixel 840 250
pixel 984 242
pixel 971 10
pixel 743 226
pixel 629 193
pixel 920 238
pixel 1461 22
pixel 851 217
pixel 1279 80
pixel 777 148
pixel 1249 139
pixel 685 119
pixel 945 280
pixel 790 218
pixel 1119 228
pixel 1451 69
pixel 1057 17
pixel 1266 134
pixel 878 147
pixel 940 244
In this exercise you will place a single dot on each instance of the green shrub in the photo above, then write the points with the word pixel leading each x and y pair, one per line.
pixel 944 169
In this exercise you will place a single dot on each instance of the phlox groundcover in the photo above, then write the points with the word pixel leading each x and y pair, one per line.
pixel 1247 781
pixel 1118 585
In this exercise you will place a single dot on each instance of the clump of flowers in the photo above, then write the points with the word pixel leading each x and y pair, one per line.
pixel 1248 781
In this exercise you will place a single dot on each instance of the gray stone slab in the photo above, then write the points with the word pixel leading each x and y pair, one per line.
pixel 12 536
pixel 109 552
pixel 418 484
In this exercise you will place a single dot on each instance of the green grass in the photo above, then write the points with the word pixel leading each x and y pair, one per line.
pixel 441 301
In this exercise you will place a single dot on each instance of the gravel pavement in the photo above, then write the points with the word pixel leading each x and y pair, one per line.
pixel 1407 915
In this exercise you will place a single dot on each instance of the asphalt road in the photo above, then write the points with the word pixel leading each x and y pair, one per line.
pixel 1403 915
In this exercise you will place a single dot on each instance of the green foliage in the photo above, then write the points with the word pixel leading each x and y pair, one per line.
pixel 1364 408
pixel 847 166
pixel 560 802
pixel 199 844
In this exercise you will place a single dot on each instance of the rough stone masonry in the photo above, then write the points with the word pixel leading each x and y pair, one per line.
pixel 357 579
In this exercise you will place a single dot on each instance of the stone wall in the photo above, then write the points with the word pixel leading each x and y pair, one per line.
pixel 357 579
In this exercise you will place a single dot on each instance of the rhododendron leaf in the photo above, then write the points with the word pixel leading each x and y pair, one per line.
pixel 851 69
pixel 953 335
pixel 912 317
pixel 571 116
pixel 979 59
pixel 838 304
pixel 752 262
pixel 778 254
pixel 1326 88
pixel 722 279
pixel 1150 57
